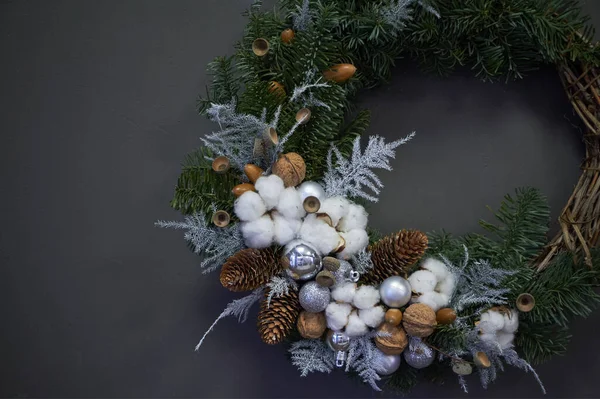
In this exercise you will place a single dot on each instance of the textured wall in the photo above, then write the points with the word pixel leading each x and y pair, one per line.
pixel 97 102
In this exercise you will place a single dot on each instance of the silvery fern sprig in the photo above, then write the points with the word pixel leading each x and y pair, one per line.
pixel 302 17
pixel 361 359
pixel 350 177
pixel 214 244
pixel 362 261
pixel 279 286
pixel 312 355
pixel 238 308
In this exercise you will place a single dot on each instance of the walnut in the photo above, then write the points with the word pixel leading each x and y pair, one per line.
pixel 311 325
pixel 393 344
pixel 419 320
pixel 291 168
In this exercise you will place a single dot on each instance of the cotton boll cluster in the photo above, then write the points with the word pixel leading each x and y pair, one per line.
pixel 275 214
pixel 355 310
pixel 434 284
pixel 499 327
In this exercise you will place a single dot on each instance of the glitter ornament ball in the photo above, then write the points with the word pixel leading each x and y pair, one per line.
pixel 311 189
pixel 386 364
pixel 301 261
pixel 314 297
pixel 418 355
pixel 395 291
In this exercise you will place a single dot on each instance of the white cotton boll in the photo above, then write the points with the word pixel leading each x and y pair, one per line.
pixel 335 207
pixel 259 233
pixel 319 234
pixel 496 319
pixel 511 322
pixel 366 297
pixel 434 300
pixel 355 327
pixel 344 293
pixel 355 241
pixel 489 337
pixel 337 315
pixel 249 207
pixel 422 281
pixel 290 204
pixel 504 339
pixel 356 218
pixel 372 317
pixel 447 286
pixel 285 230
pixel 437 267
pixel 270 189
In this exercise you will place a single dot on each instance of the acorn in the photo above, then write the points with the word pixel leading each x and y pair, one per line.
pixel 221 164
pixel 260 47
pixel 270 136
pixel 242 188
pixel 287 36
pixel 221 219
pixel 303 116
pixel 253 172
pixel 393 316
pixel 445 316
pixel 340 73
pixel 525 302
pixel 311 204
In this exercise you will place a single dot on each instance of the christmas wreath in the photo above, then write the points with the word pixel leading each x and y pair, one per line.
pixel 275 197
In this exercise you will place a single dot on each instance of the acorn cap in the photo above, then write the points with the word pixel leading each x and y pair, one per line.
pixel 311 204
pixel 525 302
pixel 270 136
pixel 221 164
pixel 325 278
pixel 221 218
pixel 330 263
pixel 482 360
pixel 260 47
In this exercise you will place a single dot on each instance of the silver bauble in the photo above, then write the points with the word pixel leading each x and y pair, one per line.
pixel 311 189
pixel 395 291
pixel 338 341
pixel 418 355
pixel 386 364
pixel 343 274
pixel 314 297
pixel 301 261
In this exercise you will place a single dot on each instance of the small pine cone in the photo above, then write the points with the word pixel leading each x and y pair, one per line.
pixel 393 255
pixel 276 320
pixel 249 269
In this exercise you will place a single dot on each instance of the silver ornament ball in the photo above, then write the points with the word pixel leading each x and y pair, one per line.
pixel 342 274
pixel 301 261
pixel 418 355
pixel 386 364
pixel 311 189
pixel 314 297
pixel 395 291
pixel 338 341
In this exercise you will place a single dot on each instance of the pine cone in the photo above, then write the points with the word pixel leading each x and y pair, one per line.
pixel 277 320
pixel 394 254
pixel 249 269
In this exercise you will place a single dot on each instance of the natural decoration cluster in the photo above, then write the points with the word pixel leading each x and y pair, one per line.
pixel 275 198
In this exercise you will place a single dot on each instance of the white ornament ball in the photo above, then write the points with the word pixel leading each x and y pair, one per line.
pixel 386 364
pixel 395 291
pixel 314 297
pixel 337 315
pixel 311 189
pixel 259 233
pixel 269 188
pixel 249 207
pixel 366 297
pixel 355 327
pixel 422 281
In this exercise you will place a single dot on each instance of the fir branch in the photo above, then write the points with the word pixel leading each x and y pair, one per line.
pixel 311 355
pixel 539 342
pixel 238 308
pixel 351 177
pixel 225 84
pixel 213 244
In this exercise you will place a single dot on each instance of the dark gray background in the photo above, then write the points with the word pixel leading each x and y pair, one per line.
pixel 97 111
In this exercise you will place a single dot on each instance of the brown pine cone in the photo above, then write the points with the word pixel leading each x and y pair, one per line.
pixel 393 255
pixel 249 269
pixel 276 320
